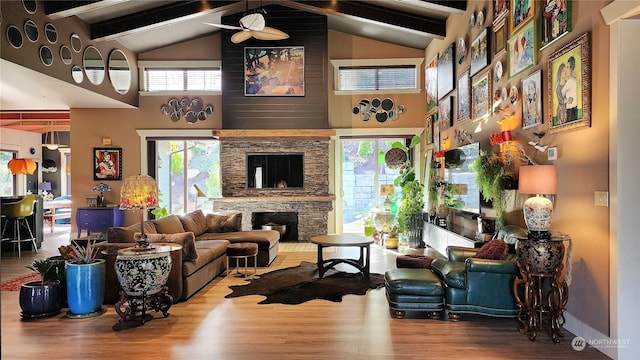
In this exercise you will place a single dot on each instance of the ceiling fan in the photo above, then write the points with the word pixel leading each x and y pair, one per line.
pixel 253 25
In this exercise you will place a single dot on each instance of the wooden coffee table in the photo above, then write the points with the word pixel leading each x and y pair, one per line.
pixel 363 242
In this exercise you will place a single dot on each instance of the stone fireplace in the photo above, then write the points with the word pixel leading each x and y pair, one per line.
pixel 310 204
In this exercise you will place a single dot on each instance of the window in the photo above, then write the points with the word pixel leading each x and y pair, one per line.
pixel 7 184
pixel 376 76
pixel 180 77
pixel 180 165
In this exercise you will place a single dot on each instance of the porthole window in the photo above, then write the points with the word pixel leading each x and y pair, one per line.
pixel 14 36
pixel 76 43
pixel 30 6
pixel 76 74
pixel 31 31
pixel 46 56
pixel 51 33
pixel 65 54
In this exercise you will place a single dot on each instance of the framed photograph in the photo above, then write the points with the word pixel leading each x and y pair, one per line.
pixel 107 163
pixel 569 86
pixel 521 12
pixel 552 153
pixel 446 71
pixel 436 133
pixel 480 55
pixel 274 71
pixel 444 112
pixel 481 96
pixel 556 21
pixel 429 126
pixel 500 13
pixel 431 84
pixel 521 49
pixel 499 41
pixel 464 96
pixel 532 100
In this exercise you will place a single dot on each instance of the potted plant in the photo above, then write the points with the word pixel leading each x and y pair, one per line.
pixel 85 279
pixel 40 299
pixel 493 177
pixel 409 219
pixel 367 223
pixel 391 238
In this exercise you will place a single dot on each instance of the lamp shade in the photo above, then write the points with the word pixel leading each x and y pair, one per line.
pixel 22 166
pixel 199 192
pixel 44 186
pixel 139 192
pixel 386 189
pixel 538 179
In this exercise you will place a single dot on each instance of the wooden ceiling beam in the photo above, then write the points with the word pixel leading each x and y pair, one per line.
pixel 61 9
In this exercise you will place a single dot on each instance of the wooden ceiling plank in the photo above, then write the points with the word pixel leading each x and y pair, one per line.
pixel 61 9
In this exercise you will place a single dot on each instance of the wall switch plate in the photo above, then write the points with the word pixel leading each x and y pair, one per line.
pixel 601 198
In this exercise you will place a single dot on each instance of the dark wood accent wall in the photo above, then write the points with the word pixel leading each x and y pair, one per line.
pixel 278 112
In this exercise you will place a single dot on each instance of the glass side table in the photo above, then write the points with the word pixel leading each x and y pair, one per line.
pixel 143 276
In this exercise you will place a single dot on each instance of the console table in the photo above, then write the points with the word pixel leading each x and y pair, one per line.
pixel 98 218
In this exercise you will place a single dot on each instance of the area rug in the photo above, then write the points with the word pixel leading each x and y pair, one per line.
pixel 15 283
pixel 299 284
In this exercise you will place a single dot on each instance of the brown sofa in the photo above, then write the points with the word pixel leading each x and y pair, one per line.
pixel 204 239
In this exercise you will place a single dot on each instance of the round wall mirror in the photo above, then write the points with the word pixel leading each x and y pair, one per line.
pixel 65 54
pixel 51 33
pixel 76 74
pixel 30 6
pixel 119 71
pixel 93 65
pixel 14 36
pixel 31 30
pixel 46 56
pixel 76 43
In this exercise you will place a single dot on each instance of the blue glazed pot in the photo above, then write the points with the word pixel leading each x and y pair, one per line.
pixel 85 287
pixel 40 301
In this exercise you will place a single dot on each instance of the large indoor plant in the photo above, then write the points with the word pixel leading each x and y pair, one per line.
pixel 409 217
pixel 493 177
pixel 42 298
pixel 85 279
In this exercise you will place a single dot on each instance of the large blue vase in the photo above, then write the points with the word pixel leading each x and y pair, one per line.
pixel 85 287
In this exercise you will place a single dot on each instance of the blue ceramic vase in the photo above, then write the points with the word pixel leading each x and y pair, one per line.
pixel 85 287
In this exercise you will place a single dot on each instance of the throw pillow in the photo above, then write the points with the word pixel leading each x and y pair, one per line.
pixel 195 222
pixel 218 222
pixel 169 225
pixel 494 250
pixel 186 239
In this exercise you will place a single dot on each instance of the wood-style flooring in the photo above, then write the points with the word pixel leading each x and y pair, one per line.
pixel 208 326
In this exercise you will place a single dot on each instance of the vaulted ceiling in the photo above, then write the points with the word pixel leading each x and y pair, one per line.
pixel 143 25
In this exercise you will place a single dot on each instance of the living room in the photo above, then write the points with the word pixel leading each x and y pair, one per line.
pixel 599 305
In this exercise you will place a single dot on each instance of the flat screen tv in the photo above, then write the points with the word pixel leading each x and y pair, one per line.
pixel 279 170
pixel 461 188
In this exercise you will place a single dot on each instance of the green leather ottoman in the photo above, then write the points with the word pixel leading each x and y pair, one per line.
pixel 414 290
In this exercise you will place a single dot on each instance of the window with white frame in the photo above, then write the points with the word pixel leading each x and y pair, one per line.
pixel 190 77
pixel 376 76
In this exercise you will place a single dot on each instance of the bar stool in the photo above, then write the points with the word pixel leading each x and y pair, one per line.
pixel 18 212
pixel 242 251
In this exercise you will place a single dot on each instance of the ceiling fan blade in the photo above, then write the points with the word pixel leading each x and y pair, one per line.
pixel 240 36
pixel 253 22
pixel 269 33
pixel 222 26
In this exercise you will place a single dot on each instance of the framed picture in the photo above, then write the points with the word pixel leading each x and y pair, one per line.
pixel 444 112
pixel 431 84
pixel 499 41
pixel 552 153
pixel 569 86
pixel 521 49
pixel 532 100
pixel 429 126
pixel 107 163
pixel 556 21
pixel 481 96
pixel 480 55
pixel 521 12
pixel 500 13
pixel 446 71
pixel 274 71
pixel 436 133
pixel 464 96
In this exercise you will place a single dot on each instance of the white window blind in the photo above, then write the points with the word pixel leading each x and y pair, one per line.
pixel 187 79
pixel 376 76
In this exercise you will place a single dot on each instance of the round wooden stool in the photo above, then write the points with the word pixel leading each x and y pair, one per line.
pixel 242 251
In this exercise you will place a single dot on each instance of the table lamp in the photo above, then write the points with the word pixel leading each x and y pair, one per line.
pixel 45 186
pixel 539 180
pixel 386 190
pixel 139 192
pixel 199 194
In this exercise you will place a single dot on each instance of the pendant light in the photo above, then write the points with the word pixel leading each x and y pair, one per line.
pixel 50 140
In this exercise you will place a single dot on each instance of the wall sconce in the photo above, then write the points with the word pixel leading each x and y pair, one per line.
pixel 381 110
pixel 192 110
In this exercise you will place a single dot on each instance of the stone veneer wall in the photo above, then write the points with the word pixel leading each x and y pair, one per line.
pixel 233 165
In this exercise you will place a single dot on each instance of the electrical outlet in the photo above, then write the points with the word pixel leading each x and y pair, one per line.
pixel 601 198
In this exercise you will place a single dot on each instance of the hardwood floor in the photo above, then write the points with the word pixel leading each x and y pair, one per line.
pixel 208 326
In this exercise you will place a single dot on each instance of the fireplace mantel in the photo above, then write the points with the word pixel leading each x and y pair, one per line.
pixel 274 134
pixel 236 199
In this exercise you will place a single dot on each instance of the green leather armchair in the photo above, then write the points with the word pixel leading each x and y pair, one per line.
pixel 477 286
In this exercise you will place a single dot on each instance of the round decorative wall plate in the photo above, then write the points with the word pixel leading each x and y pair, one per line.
pixel 461 50
pixel 480 21
pixel 472 20
pixel 498 71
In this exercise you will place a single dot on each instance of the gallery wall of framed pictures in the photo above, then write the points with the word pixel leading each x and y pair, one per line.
pixel 551 98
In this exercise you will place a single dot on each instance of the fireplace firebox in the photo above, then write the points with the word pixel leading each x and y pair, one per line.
pixel 289 219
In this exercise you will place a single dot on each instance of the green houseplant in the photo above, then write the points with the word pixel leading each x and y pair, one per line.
pixel 85 279
pixel 493 177
pixel 409 217
pixel 43 298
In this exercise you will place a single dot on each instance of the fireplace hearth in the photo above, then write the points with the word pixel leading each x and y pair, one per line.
pixel 289 219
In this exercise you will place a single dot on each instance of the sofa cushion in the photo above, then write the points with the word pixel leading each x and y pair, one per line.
pixel 208 250
pixel 493 250
pixel 224 222
pixel 266 239
pixel 186 240
pixel 169 225
pixel 195 222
